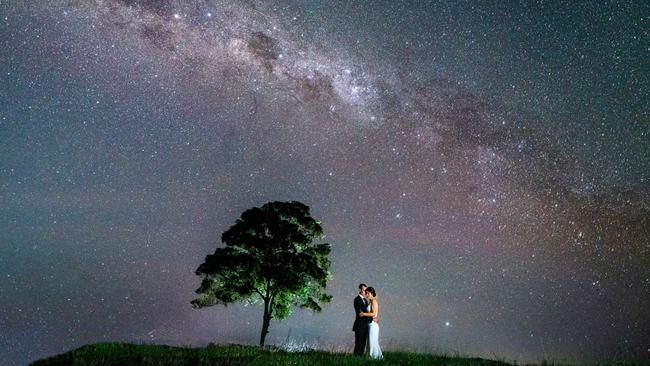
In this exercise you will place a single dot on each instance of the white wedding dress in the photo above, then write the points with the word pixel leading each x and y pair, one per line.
pixel 373 336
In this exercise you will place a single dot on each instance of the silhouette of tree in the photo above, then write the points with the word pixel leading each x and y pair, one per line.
pixel 268 257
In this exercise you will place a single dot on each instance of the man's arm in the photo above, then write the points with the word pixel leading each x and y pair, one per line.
pixel 358 305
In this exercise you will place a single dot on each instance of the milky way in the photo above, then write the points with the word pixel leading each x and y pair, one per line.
pixel 485 167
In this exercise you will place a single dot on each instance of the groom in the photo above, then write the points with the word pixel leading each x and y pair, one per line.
pixel 360 327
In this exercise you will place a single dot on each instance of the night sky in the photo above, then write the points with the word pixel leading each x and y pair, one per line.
pixel 485 166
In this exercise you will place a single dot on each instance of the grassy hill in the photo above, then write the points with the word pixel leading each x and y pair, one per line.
pixel 126 354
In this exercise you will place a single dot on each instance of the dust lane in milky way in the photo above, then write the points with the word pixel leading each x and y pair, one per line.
pixel 485 168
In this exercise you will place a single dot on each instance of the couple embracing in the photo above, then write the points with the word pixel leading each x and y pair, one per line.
pixel 366 323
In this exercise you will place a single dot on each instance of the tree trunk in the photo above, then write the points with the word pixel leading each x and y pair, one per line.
pixel 265 321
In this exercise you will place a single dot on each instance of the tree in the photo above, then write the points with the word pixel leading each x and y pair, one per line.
pixel 268 257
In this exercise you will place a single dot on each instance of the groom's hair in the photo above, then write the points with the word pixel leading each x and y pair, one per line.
pixel 372 291
pixel 362 285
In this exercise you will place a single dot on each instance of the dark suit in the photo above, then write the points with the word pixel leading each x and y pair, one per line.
pixel 360 327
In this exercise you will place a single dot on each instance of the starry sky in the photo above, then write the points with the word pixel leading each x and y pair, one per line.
pixel 484 165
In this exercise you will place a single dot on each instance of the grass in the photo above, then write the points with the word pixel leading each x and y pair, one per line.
pixel 127 354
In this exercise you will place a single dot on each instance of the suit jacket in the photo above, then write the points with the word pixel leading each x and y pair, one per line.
pixel 360 322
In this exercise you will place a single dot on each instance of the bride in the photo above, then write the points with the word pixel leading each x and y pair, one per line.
pixel 373 331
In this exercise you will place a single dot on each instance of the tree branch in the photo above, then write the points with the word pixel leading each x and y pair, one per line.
pixel 268 290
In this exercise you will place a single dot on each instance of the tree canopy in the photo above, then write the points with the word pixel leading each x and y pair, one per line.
pixel 268 257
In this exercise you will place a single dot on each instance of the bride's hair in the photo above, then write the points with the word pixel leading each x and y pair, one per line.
pixel 372 291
